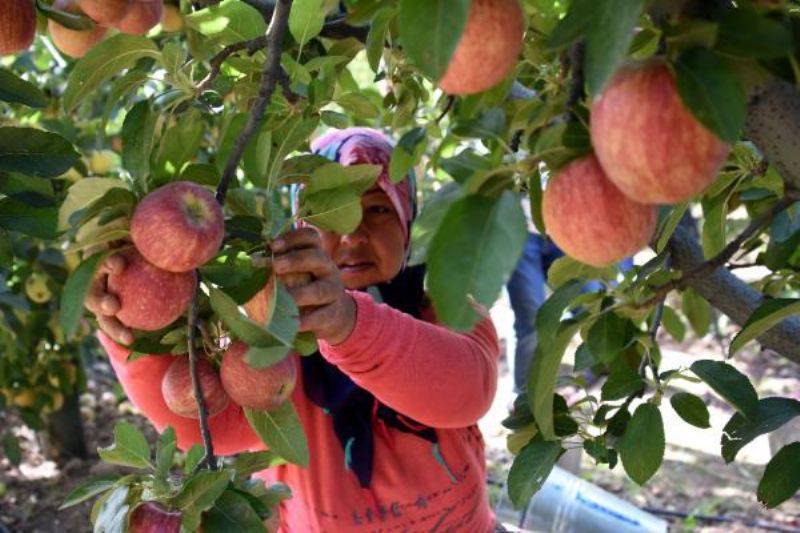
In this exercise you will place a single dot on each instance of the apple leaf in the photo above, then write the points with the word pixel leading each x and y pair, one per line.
pixel 472 255
pixel 407 153
pixel 306 19
pixel 112 511
pixel 165 451
pixel 376 38
pixel 249 463
pixel 242 327
pixel 35 152
pixel 232 512
pixel 15 90
pixel 75 290
pixel 712 92
pixel 430 31
pixel 281 431
pixel 40 222
pixel 744 32
pixel 768 315
pixel 193 458
pixel 531 469
pixel 691 408
pixel 781 478
pixel 734 387
pixel 771 414
pixel 199 494
pixel 427 223
pixel 103 61
pixel 73 21
pixel 138 139
pixel 229 22
pixel 128 449
pixel 642 445
pixel 89 489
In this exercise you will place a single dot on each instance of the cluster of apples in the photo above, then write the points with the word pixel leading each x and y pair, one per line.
pixel 649 150
pixel 174 230
pixel 18 22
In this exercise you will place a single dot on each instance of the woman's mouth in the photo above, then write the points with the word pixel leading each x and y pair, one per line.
pixel 355 267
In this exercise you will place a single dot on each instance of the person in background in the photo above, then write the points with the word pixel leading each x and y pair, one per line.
pixel 389 404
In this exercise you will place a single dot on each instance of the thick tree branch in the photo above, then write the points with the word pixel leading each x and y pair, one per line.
pixel 732 296
pixel 269 80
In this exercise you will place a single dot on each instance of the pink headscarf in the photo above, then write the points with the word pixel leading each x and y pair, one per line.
pixel 354 146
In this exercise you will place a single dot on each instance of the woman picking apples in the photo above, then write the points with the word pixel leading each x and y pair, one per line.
pixel 390 402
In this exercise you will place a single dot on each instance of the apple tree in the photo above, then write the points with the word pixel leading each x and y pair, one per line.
pixel 627 124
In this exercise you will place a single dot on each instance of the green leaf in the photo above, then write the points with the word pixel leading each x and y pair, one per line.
pixel 771 414
pixel 128 449
pixel 430 31
pixel 608 38
pixel 712 92
pixel 255 161
pixel 781 478
pixel 75 290
pixel 574 25
pixel 82 194
pixel 358 105
pixel 15 90
pixel 642 445
pixel 74 21
pixel 242 327
pixel 376 38
pixel 715 213
pixel 35 152
pixel 249 463
pixel 691 408
pixel 306 20
pixel 609 335
pixel 622 382
pixel 281 431
pixel 103 61
pixel 531 469
pixel 89 489
pixel 732 385
pixel 668 226
pixel 332 198
pixel 407 153
pixel 112 514
pixel 232 512
pixel 427 222
pixel 673 324
pixel 473 254
pixel 40 222
pixel 744 32
pixel 698 311
pixel 229 22
pixel 165 451
pixel 179 144
pixel 193 458
pixel 12 449
pixel 199 494
pixel 138 139
pixel 767 316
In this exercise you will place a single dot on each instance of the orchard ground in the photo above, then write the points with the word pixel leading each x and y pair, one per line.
pixel 694 480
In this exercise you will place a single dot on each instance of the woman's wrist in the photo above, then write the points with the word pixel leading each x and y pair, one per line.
pixel 348 311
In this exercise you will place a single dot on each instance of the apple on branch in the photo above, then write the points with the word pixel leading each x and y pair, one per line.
pixel 178 227
pixel 142 16
pixel 17 25
pixel 257 388
pixel 150 298
pixel 74 43
pixel 150 517
pixel 588 217
pixel 179 393
pixel 488 48
pixel 105 12
pixel 649 143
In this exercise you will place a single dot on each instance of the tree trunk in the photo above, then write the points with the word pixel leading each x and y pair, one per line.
pixel 65 431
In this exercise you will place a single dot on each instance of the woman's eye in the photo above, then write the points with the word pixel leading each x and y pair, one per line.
pixel 379 209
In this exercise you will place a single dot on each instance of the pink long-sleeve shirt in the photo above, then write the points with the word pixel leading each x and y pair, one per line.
pixel 424 371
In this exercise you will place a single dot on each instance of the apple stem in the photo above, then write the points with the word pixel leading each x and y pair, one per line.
pixel 197 387
pixel 269 79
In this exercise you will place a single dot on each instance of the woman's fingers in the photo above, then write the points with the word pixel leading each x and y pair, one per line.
pixel 99 301
pixel 299 238
pixel 317 293
pixel 115 329
pixel 312 260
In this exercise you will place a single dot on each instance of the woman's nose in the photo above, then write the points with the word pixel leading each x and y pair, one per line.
pixel 357 237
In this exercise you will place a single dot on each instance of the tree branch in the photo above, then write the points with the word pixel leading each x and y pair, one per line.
pixel 216 62
pixel 269 79
pixel 732 296
pixel 197 387
pixel 707 267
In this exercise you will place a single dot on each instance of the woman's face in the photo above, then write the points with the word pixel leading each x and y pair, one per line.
pixel 375 251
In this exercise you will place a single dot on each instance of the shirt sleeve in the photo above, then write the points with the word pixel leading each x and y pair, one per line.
pixel 141 380
pixel 436 376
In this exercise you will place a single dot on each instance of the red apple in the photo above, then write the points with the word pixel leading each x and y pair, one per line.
pixel 179 393
pixel 149 517
pixel 257 388
pixel 172 20
pixel 105 12
pixel 142 16
pixel 17 26
pixel 488 48
pixel 649 143
pixel 260 307
pixel 178 227
pixel 150 298
pixel 590 219
pixel 74 43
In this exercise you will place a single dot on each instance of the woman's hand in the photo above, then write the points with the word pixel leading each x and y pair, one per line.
pixel 325 308
pixel 105 305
